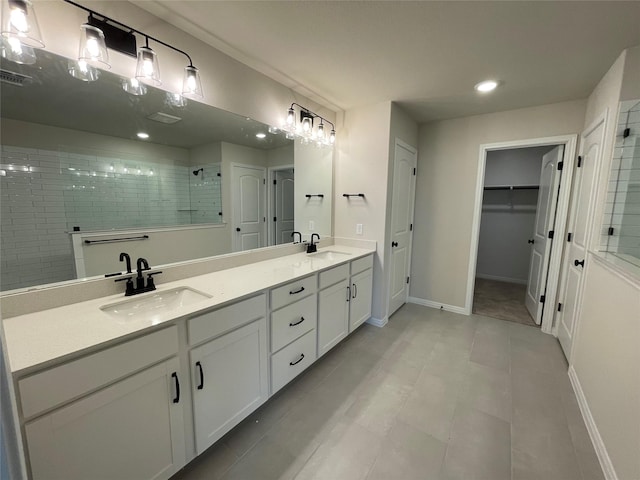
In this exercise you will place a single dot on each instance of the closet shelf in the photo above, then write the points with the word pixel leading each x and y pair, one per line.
pixel 512 187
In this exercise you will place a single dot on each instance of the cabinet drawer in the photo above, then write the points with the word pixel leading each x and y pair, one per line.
pixel 293 291
pixel 292 360
pixel 361 264
pixel 334 275
pixel 224 319
pixel 293 321
pixel 57 385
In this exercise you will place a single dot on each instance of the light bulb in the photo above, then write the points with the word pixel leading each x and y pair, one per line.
pixel 16 45
pixel 291 116
pixel 93 48
pixel 332 137
pixel 147 67
pixel 320 132
pixel 306 124
pixel 18 17
pixel 191 83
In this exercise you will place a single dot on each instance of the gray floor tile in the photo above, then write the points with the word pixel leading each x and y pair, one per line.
pixel 488 390
pixel 211 465
pixel 265 461
pixel 492 350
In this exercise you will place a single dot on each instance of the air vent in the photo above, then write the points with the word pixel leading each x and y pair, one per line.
pixel 13 78
pixel 163 118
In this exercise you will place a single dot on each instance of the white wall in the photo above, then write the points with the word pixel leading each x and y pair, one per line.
pixel 448 153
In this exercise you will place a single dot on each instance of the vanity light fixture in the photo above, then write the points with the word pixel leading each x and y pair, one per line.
pixel 487 86
pixel 19 22
pixel 305 128
pixel 101 33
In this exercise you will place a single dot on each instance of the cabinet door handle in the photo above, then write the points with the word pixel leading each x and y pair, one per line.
pixel 348 293
pixel 581 263
pixel 355 291
pixel 298 360
pixel 293 292
pixel 175 377
pixel 201 373
pixel 531 241
pixel 292 324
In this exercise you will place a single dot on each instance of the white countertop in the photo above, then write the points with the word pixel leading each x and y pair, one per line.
pixel 42 337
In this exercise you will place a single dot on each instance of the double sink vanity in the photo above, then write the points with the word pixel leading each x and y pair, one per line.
pixel 138 387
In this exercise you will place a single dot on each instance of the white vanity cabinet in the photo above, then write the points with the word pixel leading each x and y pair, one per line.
pixel 361 291
pixel 333 307
pixel 229 373
pixel 293 330
pixel 131 428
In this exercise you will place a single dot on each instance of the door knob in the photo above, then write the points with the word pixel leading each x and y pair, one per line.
pixel 237 229
pixel 530 241
pixel 576 263
pixel 394 244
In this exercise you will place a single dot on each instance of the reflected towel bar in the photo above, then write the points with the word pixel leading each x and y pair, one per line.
pixel 113 240
pixel 353 195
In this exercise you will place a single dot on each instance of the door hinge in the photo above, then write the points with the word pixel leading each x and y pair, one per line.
pixel 626 132
pixel 610 231
pixel 542 298
pixel 264 181
pixel 569 236
pixel 275 182
pixel 407 279
pixel 559 307
pixel 219 174
pixel 411 227
pixel 275 219
pixel 414 171
pixel 579 161
pixel 264 219
pixel 560 165
pixel 550 233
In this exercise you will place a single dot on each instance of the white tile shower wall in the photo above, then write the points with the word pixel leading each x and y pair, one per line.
pixel 45 194
pixel 622 208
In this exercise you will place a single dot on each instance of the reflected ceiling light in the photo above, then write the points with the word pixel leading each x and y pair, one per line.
pixel 11 49
pixel 93 48
pixel 134 87
pixel 80 70
pixel 487 86
pixel 143 135
pixel 261 135
pixel 19 21
pixel 100 33
pixel 305 128
pixel 176 100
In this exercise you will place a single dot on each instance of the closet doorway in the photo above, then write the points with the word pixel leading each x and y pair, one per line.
pixel 522 200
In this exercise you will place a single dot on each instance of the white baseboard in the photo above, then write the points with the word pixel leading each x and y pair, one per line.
pixel 432 304
pixel 519 281
pixel 592 428
pixel 378 322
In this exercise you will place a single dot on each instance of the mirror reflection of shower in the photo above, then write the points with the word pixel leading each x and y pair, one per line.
pixel 205 199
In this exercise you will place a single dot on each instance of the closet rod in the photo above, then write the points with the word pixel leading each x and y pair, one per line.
pixel 512 187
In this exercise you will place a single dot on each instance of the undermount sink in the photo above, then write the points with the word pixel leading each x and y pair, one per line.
pixel 154 305
pixel 329 255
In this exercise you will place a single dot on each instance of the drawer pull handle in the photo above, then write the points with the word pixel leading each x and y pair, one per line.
pixel 175 377
pixel 201 373
pixel 293 292
pixel 355 290
pixel 348 293
pixel 297 361
pixel 292 324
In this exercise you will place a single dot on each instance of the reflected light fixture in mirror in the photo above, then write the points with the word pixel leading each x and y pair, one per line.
pixel 133 86
pixel 14 51
pixel 80 70
pixel 19 21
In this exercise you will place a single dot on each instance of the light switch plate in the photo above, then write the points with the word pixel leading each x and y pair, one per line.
pixel 359 229
pixel 312 225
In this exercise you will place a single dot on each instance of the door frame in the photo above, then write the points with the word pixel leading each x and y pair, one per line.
pixel 271 207
pixel 570 143
pixel 233 209
pixel 414 151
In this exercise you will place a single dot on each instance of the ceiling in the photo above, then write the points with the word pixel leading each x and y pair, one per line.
pixel 426 55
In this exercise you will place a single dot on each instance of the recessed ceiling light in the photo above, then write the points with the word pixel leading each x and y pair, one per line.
pixel 261 135
pixel 487 86
pixel 143 135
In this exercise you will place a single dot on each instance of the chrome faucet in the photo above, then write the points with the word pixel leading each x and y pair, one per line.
pixel 311 247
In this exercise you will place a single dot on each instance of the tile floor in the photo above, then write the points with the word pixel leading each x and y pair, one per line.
pixel 433 395
pixel 502 300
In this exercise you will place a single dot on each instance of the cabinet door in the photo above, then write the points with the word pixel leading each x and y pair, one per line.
pixel 333 313
pixel 132 429
pixel 360 310
pixel 230 381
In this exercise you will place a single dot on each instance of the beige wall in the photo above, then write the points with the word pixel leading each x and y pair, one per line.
pixel 447 171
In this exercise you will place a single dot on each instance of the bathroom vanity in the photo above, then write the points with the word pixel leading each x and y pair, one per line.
pixel 138 387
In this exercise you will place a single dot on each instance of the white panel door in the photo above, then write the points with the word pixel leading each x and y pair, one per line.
pixel 403 196
pixel 248 207
pixel 573 262
pixel 333 316
pixel 229 375
pixel 132 429
pixel 545 219
pixel 283 202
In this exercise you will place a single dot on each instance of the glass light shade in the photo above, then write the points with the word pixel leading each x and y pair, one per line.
pixel 147 68
pixel 82 71
pixel 176 100
pixel 19 21
pixel 134 86
pixel 320 132
pixel 332 137
pixel 11 49
pixel 191 84
pixel 93 49
pixel 306 124
pixel 291 116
